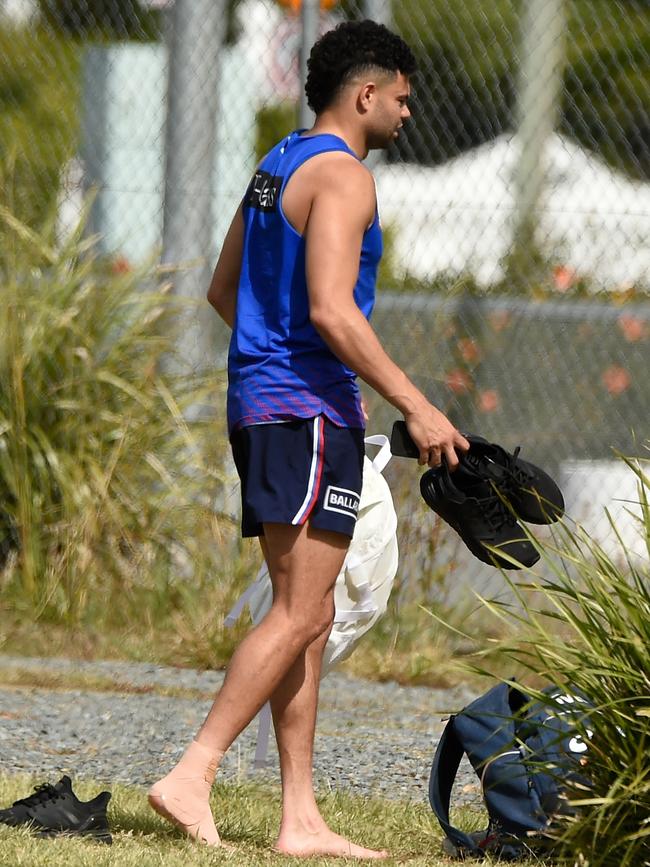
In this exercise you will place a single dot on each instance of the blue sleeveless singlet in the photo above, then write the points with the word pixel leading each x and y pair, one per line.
pixel 279 367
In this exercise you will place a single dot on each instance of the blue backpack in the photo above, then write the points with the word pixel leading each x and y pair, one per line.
pixel 526 754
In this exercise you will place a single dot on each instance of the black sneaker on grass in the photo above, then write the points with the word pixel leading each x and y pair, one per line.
pixel 532 493
pixel 56 811
pixel 471 506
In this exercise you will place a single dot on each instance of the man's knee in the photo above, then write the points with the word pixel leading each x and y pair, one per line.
pixel 323 628
pixel 308 623
pixel 317 623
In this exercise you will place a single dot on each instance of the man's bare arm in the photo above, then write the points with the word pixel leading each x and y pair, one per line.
pixel 342 208
pixel 222 293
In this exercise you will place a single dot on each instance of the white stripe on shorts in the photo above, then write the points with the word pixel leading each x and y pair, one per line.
pixel 312 472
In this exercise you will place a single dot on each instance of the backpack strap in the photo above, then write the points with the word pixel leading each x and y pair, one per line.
pixel 443 773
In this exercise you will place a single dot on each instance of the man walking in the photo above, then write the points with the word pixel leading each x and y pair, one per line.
pixel 295 281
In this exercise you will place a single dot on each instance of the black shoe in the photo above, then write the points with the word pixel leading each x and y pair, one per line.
pixel 479 516
pixel 56 811
pixel 532 493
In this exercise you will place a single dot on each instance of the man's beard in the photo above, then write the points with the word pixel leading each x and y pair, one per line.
pixel 380 140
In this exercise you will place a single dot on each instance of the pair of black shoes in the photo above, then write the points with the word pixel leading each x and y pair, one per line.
pixel 487 495
pixel 53 811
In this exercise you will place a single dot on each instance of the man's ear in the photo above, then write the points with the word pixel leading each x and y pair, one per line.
pixel 367 95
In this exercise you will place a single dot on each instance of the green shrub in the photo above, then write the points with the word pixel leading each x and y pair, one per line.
pixel 588 626
pixel 39 128
pixel 115 19
pixel 108 494
pixel 274 122
pixel 464 96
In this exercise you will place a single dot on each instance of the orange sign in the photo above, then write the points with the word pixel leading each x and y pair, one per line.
pixel 294 5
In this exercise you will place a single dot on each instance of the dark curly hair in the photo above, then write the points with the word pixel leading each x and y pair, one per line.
pixel 347 50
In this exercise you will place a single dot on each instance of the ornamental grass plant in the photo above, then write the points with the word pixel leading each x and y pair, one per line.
pixel 109 495
pixel 583 622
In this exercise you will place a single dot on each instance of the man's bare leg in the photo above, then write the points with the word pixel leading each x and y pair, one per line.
pixel 294 703
pixel 304 564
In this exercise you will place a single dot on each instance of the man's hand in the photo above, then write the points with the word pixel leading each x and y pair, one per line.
pixel 435 436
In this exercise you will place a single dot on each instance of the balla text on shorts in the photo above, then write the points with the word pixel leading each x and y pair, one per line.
pixel 341 500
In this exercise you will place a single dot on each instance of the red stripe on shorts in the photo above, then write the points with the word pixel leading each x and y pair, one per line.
pixel 319 470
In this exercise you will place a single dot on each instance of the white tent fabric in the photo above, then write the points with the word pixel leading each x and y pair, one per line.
pixel 457 218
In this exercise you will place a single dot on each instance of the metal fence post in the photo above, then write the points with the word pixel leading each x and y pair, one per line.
pixel 197 34
pixel 93 140
pixel 378 10
pixel 310 18
pixel 540 87
pixel 381 12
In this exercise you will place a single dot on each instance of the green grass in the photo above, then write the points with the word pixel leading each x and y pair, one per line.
pixel 247 816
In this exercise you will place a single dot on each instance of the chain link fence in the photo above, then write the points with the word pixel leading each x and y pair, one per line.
pixel 516 204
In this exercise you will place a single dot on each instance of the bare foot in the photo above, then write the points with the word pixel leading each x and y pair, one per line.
pixel 324 842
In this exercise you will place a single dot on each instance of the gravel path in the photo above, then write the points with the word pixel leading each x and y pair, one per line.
pixel 372 738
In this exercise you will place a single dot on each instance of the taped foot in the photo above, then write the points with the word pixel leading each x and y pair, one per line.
pixel 183 796
pixel 191 816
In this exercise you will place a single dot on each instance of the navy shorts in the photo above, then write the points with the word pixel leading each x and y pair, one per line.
pixel 297 471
